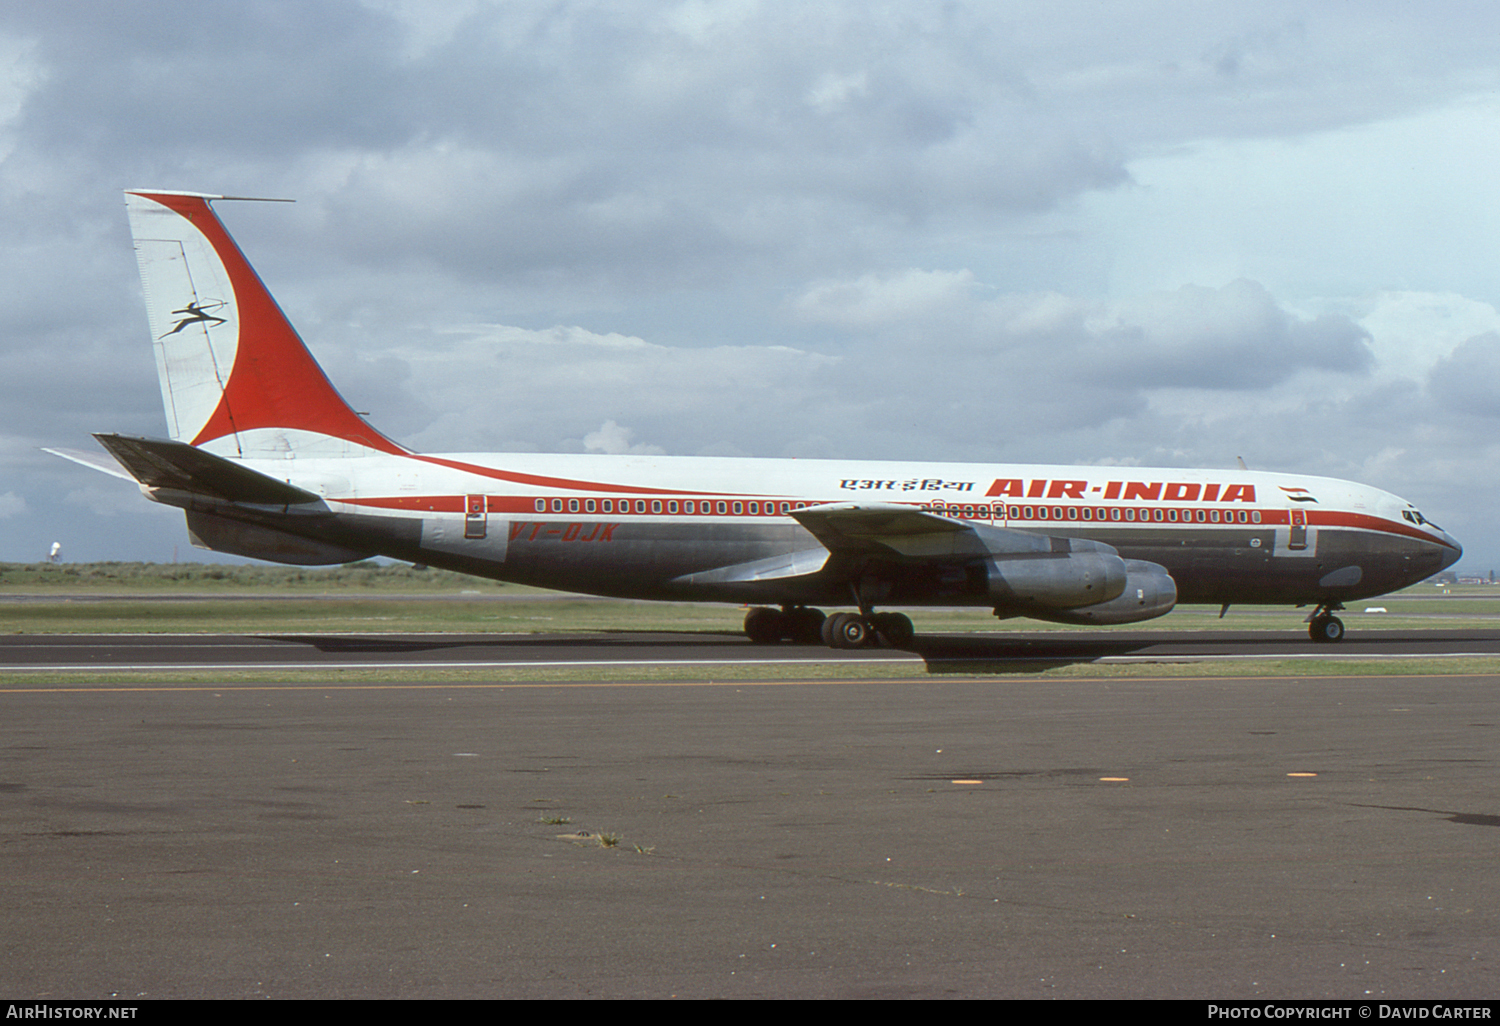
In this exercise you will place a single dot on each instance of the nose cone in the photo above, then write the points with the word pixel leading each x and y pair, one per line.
pixel 1450 551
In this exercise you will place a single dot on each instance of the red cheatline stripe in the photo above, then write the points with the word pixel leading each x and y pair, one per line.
pixel 526 504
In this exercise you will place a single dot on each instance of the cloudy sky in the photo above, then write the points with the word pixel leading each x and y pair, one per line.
pixel 1159 233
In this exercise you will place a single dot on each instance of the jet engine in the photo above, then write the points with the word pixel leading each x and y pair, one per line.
pixel 1149 592
pixel 1026 582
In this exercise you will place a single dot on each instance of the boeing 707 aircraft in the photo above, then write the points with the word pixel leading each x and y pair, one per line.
pixel 269 462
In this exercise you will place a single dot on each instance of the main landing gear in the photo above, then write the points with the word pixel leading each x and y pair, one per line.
pixel 856 630
pixel 1323 626
pixel 766 626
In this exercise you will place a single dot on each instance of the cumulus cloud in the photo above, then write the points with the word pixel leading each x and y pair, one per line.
pixel 613 439
pixel 874 299
pixel 1233 337
pixel 1466 379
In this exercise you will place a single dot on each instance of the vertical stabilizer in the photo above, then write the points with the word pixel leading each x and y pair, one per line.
pixel 235 378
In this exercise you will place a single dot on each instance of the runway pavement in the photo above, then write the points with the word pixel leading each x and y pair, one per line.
pixel 943 836
pixel 982 652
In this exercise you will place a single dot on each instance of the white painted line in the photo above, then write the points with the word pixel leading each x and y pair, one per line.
pixel 417 666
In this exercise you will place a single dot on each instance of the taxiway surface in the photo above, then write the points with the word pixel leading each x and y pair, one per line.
pixel 995 836
pixel 942 653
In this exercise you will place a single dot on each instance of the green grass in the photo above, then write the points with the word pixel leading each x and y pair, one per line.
pixel 225 579
pixel 370 614
pixel 187 598
pixel 141 598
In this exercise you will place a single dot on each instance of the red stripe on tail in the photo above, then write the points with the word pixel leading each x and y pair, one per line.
pixel 275 382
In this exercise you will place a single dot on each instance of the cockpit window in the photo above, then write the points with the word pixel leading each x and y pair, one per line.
pixel 1415 517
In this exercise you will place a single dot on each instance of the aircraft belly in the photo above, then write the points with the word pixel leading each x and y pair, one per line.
pixel 642 559
pixel 445 538
pixel 645 559
pixel 1345 565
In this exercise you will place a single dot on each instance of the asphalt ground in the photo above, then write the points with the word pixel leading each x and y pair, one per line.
pixel 978 652
pixel 942 836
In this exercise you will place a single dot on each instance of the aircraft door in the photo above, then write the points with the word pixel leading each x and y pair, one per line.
pixel 474 516
pixel 1297 538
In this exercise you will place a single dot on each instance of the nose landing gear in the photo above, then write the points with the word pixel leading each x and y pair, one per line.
pixel 1323 627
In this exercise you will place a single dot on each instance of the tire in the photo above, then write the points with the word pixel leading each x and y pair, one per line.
pixel 825 629
pixel 895 629
pixel 765 626
pixel 1326 630
pixel 805 626
pixel 848 630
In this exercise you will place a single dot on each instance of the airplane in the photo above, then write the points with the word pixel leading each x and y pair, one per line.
pixel 269 462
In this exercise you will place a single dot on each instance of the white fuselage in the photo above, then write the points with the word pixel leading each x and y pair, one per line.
pixel 636 525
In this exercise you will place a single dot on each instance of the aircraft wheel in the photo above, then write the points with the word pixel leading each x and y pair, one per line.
pixel 895 629
pixel 1326 629
pixel 847 630
pixel 825 630
pixel 804 625
pixel 764 626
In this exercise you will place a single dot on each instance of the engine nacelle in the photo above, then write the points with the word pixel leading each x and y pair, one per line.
pixel 1149 592
pixel 1055 580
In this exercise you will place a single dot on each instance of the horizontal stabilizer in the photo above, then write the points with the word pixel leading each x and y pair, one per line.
pixel 92 460
pixel 158 463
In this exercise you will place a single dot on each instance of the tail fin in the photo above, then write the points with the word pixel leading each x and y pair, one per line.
pixel 235 378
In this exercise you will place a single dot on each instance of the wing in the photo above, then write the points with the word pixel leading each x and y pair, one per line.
pixel 887 547
pixel 851 535
pixel 885 530
pixel 885 551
